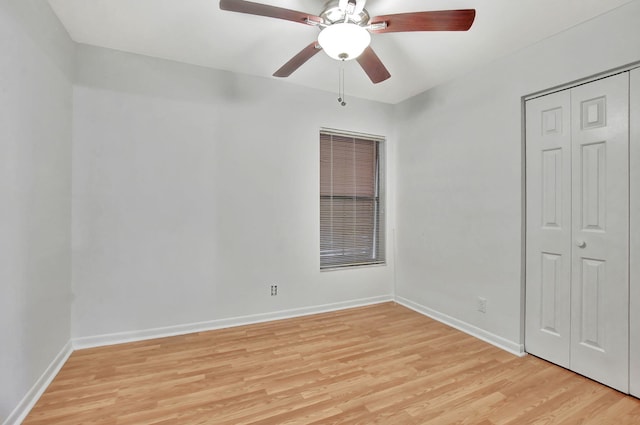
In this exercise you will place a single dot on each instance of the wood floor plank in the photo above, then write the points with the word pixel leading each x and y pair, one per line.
pixel 381 364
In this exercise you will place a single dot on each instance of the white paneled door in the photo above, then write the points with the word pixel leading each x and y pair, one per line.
pixel 634 232
pixel 577 280
pixel 600 222
pixel 548 142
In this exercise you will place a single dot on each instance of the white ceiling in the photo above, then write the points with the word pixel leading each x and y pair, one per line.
pixel 198 32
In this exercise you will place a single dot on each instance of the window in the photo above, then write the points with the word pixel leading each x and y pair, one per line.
pixel 351 200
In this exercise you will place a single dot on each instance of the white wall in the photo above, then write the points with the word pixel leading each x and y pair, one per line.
pixel 36 63
pixel 460 173
pixel 194 190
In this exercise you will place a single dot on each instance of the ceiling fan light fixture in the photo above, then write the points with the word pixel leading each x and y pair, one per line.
pixel 344 41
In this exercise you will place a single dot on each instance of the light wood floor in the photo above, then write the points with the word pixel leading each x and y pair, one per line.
pixel 381 364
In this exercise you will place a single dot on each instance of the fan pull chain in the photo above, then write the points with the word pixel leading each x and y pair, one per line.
pixel 341 99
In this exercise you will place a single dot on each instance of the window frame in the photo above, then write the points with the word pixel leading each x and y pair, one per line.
pixel 378 237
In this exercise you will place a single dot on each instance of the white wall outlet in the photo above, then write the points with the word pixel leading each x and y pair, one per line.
pixel 482 305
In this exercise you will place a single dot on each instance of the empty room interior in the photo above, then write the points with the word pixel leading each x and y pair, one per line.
pixel 310 212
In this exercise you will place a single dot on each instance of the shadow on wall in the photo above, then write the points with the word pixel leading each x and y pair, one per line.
pixel 114 70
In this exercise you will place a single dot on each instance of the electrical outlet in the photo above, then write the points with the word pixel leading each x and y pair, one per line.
pixel 482 305
pixel 274 290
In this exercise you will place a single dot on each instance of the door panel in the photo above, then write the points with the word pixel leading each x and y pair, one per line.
pixel 634 375
pixel 592 281
pixel 594 170
pixel 600 222
pixel 548 271
pixel 550 286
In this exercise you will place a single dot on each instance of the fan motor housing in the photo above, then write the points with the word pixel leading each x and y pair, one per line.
pixel 333 14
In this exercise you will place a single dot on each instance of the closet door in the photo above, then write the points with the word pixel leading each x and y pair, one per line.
pixel 634 375
pixel 577 249
pixel 548 246
pixel 600 222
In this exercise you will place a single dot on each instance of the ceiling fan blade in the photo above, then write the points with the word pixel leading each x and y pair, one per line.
pixel 269 11
pixel 298 60
pixel 439 20
pixel 373 66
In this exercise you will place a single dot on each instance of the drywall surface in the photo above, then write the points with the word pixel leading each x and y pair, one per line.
pixel 460 173
pixel 36 64
pixel 195 190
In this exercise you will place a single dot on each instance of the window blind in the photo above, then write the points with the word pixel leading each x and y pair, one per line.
pixel 351 201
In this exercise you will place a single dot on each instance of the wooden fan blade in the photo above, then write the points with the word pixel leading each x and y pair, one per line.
pixel 269 11
pixel 298 60
pixel 440 20
pixel 373 66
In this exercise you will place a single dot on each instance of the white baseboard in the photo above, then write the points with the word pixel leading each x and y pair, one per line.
pixel 33 395
pixel 493 339
pixel 140 335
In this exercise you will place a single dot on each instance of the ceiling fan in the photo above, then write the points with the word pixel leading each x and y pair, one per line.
pixel 345 26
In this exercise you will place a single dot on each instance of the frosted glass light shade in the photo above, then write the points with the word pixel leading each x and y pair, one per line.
pixel 344 41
